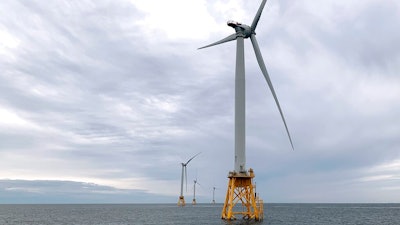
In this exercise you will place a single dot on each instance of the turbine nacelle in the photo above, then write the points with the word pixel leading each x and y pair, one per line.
pixel 241 29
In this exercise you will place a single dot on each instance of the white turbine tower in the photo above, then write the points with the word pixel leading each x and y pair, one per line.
pixel 181 201
pixel 239 178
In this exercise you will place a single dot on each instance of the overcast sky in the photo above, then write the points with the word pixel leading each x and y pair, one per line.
pixel 100 101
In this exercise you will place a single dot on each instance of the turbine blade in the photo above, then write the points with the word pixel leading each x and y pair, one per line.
pixel 265 73
pixel 258 15
pixel 192 158
pixel 231 37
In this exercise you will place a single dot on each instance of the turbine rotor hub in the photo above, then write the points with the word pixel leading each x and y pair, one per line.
pixel 241 29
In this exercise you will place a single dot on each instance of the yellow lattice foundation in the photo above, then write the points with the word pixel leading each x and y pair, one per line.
pixel 241 189
pixel 181 201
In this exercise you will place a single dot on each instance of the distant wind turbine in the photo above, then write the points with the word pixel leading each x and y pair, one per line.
pixel 213 201
pixel 181 201
pixel 194 191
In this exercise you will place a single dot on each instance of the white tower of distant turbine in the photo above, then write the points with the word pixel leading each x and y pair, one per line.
pixel 240 185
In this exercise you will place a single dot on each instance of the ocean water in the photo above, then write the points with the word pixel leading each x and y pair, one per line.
pixel 124 214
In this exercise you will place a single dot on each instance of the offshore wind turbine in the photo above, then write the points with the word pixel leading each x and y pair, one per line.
pixel 239 179
pixel 181 200
pixel 213 201
pixel 194 191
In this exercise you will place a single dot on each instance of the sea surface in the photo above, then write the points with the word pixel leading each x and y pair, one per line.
pixel 274 214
